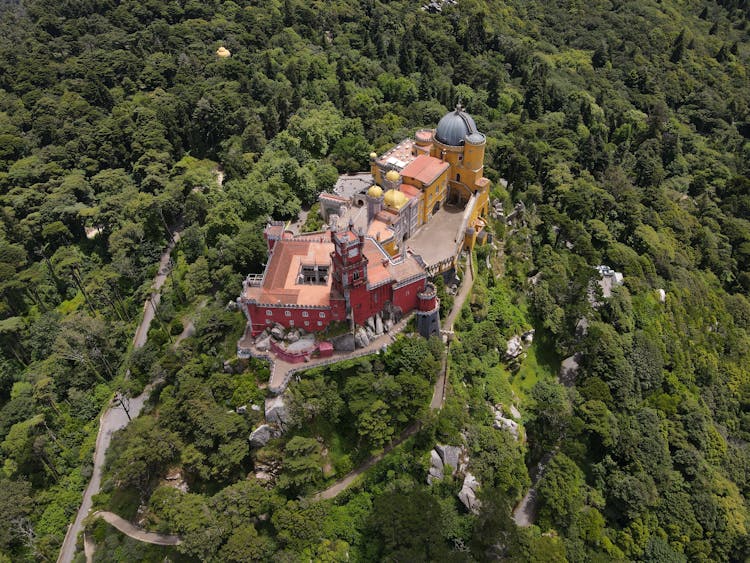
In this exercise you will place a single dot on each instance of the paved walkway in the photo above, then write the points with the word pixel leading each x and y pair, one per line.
pixel 115 418
pixel 152 301
pixel 135 532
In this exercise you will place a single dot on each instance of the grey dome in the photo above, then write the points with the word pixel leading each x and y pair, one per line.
pixel 454 126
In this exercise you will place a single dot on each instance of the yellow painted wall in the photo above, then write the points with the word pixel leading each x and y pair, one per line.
pixel 432 194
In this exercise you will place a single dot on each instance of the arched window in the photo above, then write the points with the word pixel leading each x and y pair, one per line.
pixel 458 177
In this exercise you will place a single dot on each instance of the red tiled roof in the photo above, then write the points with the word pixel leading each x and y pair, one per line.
pixel 410 191
pixel 326 195
pixel 280 281
pixel 275 231
pixel 378 227
pixel 425 169
pixel 387 216
pixel 380 267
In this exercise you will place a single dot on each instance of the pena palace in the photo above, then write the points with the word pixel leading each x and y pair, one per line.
pixel 388 231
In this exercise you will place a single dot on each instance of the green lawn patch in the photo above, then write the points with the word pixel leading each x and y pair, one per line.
pixel 541 362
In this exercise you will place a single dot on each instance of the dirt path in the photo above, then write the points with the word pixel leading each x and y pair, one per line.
pixel 438 396
pixel 463 293
pixel 524 513
pixel 344 483
pixel 296 226
pixel 135 532
pixel 189 326
pixel 152 301
pixel 115 418
pixel 219 173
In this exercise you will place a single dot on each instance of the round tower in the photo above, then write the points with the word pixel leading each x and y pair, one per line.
pixel 392 180
pixel 427 298
pixel 423 137
pixel 428 311
pixel 374 202
pixel 474 153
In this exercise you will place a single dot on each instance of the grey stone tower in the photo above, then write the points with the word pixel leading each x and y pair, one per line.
pixel 428 312
pixel 374 202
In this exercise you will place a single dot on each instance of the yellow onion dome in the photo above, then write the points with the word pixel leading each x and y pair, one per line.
pixel 375 191
pixel 223 52
pixel 373 155
pixel 393 176
pixel 395 199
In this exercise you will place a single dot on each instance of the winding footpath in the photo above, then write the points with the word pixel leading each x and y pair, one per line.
pixel 111 421
pixel 438 395
pixel 135 532
pixel 524 514
pixel 115 418
pixel 438 398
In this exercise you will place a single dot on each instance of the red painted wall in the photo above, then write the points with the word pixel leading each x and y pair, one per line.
pixel 406 296
pixel 293 358
pixel 367 303
pixel 428 304
pixel 260 319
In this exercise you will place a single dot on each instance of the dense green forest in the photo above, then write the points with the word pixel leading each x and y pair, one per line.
pixel 623 126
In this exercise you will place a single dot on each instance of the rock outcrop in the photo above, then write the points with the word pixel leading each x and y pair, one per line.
pixel 569 369
pixel 344 343
pixel 468 494
pixel 450 455
pixel 261 435
pixel 360 338
pixel 515 348
pixel 276 412
pixel 263 344
pixel 446 460
pixel 292 336
pixel 436 468
pixel 503 423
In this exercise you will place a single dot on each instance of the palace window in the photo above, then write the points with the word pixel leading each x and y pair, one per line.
pixel 322 315
pixel 314 275
pixel 287 313
pixel 320 323
pixel 269 313
pixel 307 323
pixel 305 314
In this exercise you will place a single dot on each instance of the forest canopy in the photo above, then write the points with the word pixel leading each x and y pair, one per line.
pixel 623 127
